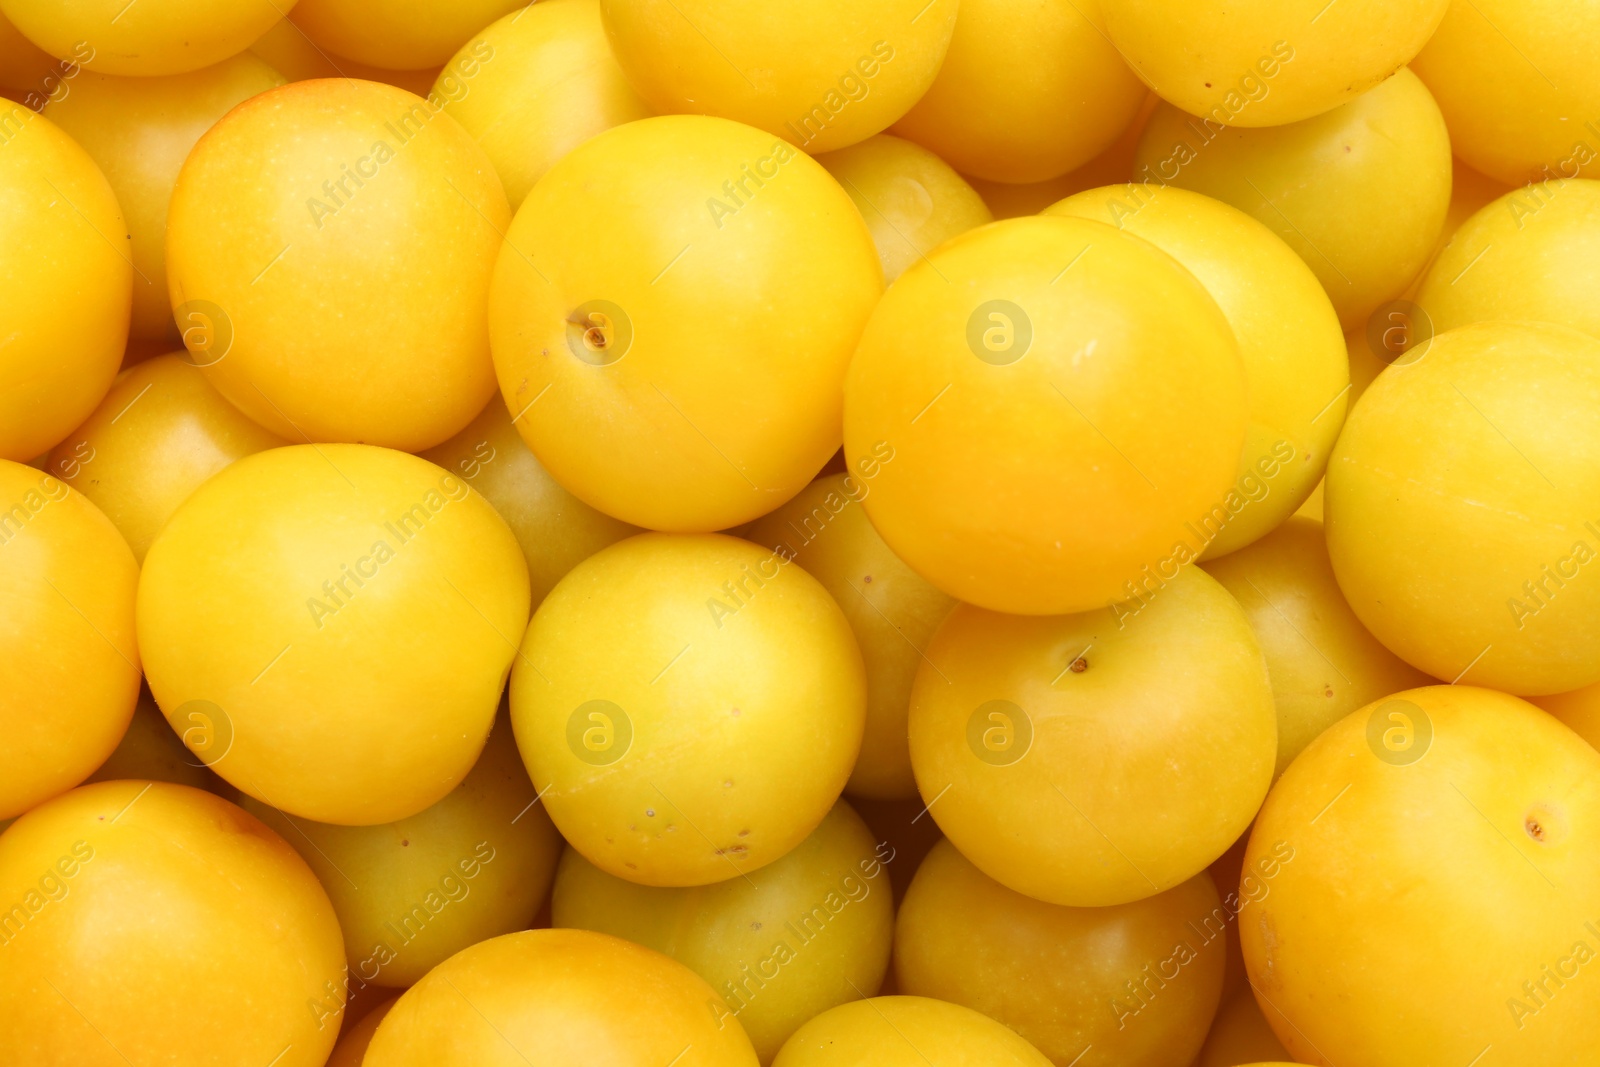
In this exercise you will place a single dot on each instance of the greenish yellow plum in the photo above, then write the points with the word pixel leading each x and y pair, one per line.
pixel 61 238
pixel 911 199
pixel 1101 758
pixel 1265 63
pixel 356 1039
pixel 139 130
pixel 411 894
pixel 821 76
pixel 1410 827
pixel 1533 254
pixel 150 751
pixel 1519 88
pixel 559 998
pixel 1322 661
pixel 1128 986
pixel 219 934
pixel 713 414
pixel 536 84
pixel 1240 1036
pixel 689 707
pixel 1467 560
pixel 1360 192
pixel 1294 355
pixel 891 609
pixel 150 39
pixel 331 627
pixel 69 660
pixel 329 249
pixel 288 50
pixel 894 1031
pixel 1579 709
pixel 1026 93
pixel 556 530
pixel 159 433
pixel 1061 401
pixel 411 35
pixel 801 935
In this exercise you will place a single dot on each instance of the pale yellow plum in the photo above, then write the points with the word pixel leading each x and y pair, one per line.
pixel 894 1032
pixel 147 39
pixel 1240 1036
pixel 536 84
pixel 1413 821
pixel 151 751
pixel 799 936
pixel 1360 192
pixel 713 413
pixel 356 1039
pixel 69 661
pixel 288 50
pixel 1519 88
pixel 1026 93
pixel 822 75
pixel 912 200
pixel 1128 986
pixel 1052 403
pixel 68 287
pixel 892 610
pixel 1467 559
pixel 559 998
pixel 155 923
pixel 1322 661
pixel 331 628
pixel 1288 334
pixel 160 432
pixel 409 35
pixel 689 706
pixel 329 250
pixel 1101 758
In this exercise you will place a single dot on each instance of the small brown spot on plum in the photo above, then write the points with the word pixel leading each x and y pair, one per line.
pixel 1080 665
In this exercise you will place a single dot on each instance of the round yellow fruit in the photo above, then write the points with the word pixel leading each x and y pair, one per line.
pixel 689 707
pixel 905 1032
pixel 409 35
pixel 220 936
pixel 1359 192
pixel 713 414
pixel 330 628
pixel 329 248
pixel 821 75
pixel 159 433
pixel 1519 88
pixel 1322 661
pixel 891 609
pixel 288 50
pixel 1051 403
pixel 1027 92
pixel 68 276
pixel 1533 254
pixel 1462 505
pixel 1411 827
pixel 536 84
pixel 1240 1035
pixel 1100 758
pixel 556 530
pixel 150 751
pixel 801 935
pixel 1294 355
pixel 1265 63
pixel 558 998
pixel 1129 986
pixel 911 199
pixel 69 664
pixel 167 37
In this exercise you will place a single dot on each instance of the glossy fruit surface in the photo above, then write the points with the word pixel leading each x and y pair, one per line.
pixel 148 39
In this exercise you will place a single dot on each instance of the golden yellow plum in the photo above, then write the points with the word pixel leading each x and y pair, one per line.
pixel 1050 403
pixel 159 433
pixel 329 249
pixel 357 1038
pixel 331 626
pixel 170 37
pixel 559 998
pixel 1462 824
pixel 155 923
pixel 150 751
pixel 288 50
pixel 536 84
pixel 689 707
pixel 891 609
pixel 1100 758
pixel 895 1031
pixel 396 36
pixel 1360 192
pixel 1461 504
pixel 66 300
pixel 821 76
pixel 69 662
pixel 1240 1036
pixel 713 414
